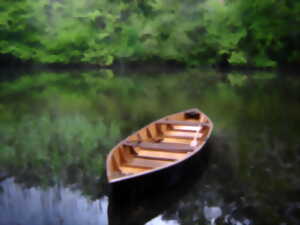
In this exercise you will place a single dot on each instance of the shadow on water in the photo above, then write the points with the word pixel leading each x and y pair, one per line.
pixel 134 207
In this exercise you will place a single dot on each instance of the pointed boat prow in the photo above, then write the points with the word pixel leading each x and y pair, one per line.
pixel 159 145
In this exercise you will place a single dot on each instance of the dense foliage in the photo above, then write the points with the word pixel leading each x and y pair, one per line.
pixel 257 33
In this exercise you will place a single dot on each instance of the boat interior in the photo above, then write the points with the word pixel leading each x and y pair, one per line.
pixel 159 144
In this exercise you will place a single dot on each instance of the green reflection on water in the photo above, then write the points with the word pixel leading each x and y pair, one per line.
pixel 51 123
pixel 65 123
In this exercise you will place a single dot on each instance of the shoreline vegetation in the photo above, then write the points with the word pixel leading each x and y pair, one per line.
pixel 104 34
pixel 12 63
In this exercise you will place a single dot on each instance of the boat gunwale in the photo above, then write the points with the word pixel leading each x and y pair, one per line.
pixel 115 148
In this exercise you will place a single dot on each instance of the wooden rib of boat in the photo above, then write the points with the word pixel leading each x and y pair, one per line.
pixel 162 144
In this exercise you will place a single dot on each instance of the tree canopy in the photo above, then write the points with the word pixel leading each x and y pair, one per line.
pixel 254 33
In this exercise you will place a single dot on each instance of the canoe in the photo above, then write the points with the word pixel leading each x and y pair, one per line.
pixel 158 146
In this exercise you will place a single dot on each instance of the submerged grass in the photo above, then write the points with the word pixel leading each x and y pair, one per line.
pixel 53 144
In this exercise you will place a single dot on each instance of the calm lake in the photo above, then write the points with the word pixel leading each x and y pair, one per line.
pixel 56 129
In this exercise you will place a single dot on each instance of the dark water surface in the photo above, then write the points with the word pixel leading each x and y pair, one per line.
pixel 57 127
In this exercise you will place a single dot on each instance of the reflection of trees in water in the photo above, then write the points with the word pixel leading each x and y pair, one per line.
pixel 55 205
pixel 253 174
pixel 43 150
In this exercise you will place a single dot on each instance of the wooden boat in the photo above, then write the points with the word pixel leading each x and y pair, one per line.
pixel 158 146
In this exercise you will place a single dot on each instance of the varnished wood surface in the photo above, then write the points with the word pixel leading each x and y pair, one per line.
pixel 164 146
pixel 159 145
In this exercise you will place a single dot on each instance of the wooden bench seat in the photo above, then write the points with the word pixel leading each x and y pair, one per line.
pixel 183 129
pixel 145 163
pixel 163 158
pixel 181 122
pixel 183 135
pixel 161 146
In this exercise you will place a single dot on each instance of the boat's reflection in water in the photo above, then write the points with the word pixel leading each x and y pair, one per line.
pixel 154 207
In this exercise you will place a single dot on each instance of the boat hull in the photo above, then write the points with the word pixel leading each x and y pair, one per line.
pixel 162 180
pixel 159 153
